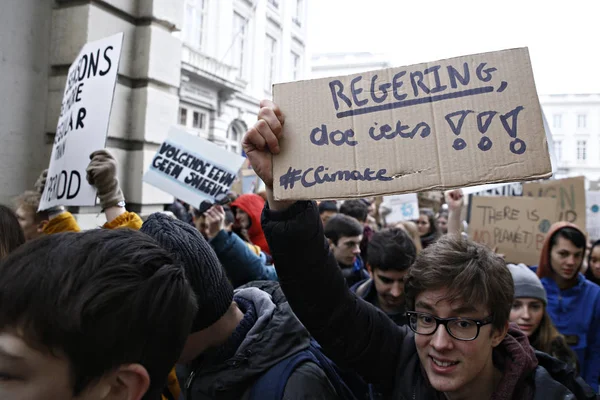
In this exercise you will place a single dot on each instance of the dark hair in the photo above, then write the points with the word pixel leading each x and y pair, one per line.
pixel 589 274
pixel 30 202
pixel 341 226
pixel 573 235
pixel 327 205
pixel 469 271
pixel 356 209
pixel 431 218
pixel 11 235
pixel 104 298
pixel 391 249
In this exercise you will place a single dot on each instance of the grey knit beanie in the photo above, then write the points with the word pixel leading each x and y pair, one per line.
pixel 527 283
pixel 203 270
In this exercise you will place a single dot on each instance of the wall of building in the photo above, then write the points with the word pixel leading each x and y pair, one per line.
pixel 574 120
pixel 24 54
pixel 226 73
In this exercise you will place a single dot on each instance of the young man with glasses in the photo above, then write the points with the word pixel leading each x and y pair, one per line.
pixel 458 343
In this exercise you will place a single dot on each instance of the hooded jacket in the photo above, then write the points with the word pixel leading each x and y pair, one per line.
pixel 575 312
pixel 252 204
pixel 358 336
pixel 273 334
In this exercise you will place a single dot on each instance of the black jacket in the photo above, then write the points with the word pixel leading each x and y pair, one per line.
pixel 357 335
pixel 276 335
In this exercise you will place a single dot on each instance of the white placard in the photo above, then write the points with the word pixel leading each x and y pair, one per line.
pixel 192 169
pixel 592 205
pixel 83 123
pixel 404 207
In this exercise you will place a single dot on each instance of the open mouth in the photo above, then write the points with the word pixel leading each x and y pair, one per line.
pixel 443 365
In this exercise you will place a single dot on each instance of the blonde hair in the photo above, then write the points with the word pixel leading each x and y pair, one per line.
pixel 412 230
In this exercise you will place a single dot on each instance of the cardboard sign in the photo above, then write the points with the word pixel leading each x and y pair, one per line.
pixel 593 214
pixel 193 169
pixel 405 207
pixel 446 124
pixel 83 123
pixel 515 226
pixel 570 194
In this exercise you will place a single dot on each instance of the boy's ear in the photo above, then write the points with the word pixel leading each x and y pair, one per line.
pixel 127 382
pixel 498 335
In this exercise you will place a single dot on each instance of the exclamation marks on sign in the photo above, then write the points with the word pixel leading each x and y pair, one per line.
pixel 456 120
pixel 509 122
pixel 484 120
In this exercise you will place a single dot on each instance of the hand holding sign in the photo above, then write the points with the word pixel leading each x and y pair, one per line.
pixel 102 174
pixel 262 140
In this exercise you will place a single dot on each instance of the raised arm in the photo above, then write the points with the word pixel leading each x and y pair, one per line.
pixel 240 263
pixel 352 332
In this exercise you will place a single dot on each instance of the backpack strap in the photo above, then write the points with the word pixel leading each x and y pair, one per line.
pixel 271 385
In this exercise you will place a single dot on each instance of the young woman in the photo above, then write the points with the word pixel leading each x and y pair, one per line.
pixel 427 227
pixel 529 313
pixel 593 271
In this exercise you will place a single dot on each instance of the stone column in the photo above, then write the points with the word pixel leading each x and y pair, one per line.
pixel 146 95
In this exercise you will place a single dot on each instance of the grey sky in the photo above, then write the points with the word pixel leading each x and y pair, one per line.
pixel 563 36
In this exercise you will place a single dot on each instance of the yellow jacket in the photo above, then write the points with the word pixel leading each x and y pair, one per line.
pixel 65 222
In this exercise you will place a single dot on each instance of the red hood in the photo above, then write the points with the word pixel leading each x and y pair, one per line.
pixel 517 361
pixel 252 204
pixel 544 268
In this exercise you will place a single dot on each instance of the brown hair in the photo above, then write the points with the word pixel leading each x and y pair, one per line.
pixel 11 235
pixel 469 271
pixel 30 201
pixel 548 340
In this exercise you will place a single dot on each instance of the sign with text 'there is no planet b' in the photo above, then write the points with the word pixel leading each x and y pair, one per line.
pixel 83 123
pixel 452 123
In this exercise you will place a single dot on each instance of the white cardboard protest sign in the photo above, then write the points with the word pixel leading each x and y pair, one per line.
pixel 193 169
pixel 83 123
pixel 592 205
pixel 440 125
pixel 404 207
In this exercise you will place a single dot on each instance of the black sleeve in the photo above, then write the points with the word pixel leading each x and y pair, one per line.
pixel 352 332
pixel 309 382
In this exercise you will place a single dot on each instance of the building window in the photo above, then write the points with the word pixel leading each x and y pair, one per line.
pixel 558 150
pixel 182 116
pixel 297 18
pixel 557 121
pixel 295 66
pixel 234 136
pixel 581 121
pixel 194 20
pixel 270 58
pixel 198 120
pixel 240 25
pixel 581 151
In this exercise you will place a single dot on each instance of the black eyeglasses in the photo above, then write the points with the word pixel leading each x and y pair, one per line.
pixel 465 329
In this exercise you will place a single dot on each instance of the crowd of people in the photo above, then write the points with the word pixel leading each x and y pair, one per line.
pixel 253 298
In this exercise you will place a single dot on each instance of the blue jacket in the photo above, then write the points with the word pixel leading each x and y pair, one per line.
pixel 576 314
pixel 240 263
